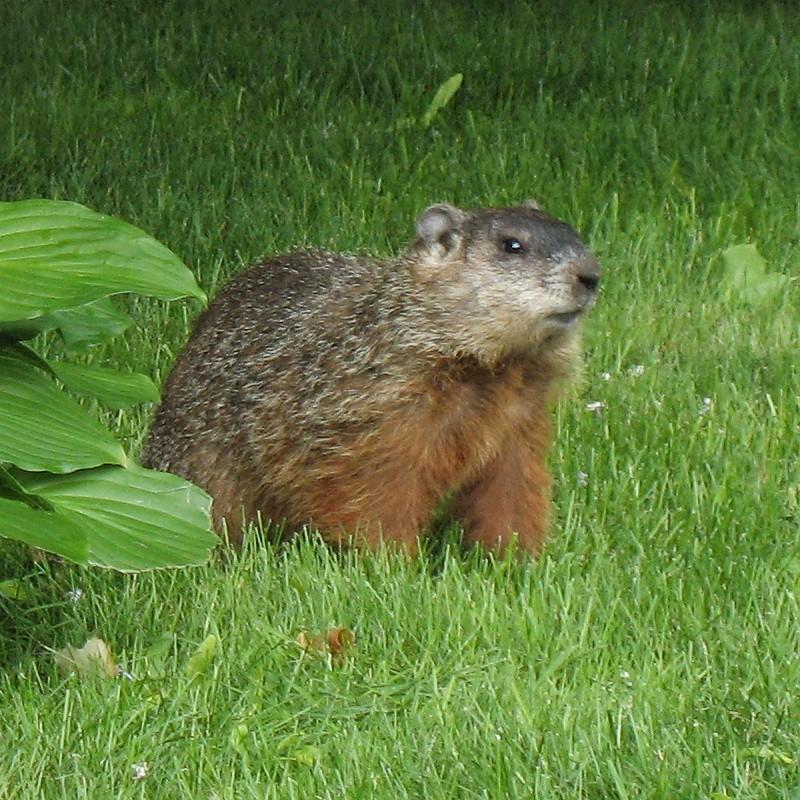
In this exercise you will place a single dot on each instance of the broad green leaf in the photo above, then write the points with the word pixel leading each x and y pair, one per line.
pixel 444 94
pixel 113 389
pixel 56 255
pixel 27 355
pixel 134 518
pixel 25 329
pixel 745 272
pixel 90 324
pixel 50 530
pixel 12 489
pixel 80 327
pixel 43 429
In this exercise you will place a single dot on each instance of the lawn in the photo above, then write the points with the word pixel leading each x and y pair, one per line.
pixel 653 650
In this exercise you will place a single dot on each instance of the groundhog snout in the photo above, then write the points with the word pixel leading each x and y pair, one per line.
pixel 584 274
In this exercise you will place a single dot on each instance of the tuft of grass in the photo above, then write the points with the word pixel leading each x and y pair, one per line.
pixel 652 651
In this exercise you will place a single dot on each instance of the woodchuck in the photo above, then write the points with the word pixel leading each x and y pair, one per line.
pixel 352 394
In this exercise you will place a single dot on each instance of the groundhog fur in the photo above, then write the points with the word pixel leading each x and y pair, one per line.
pixel 351 394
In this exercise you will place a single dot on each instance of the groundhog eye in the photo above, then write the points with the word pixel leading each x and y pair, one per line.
pixel 513 246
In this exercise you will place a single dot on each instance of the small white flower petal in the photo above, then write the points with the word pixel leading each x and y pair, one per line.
pixel 705 407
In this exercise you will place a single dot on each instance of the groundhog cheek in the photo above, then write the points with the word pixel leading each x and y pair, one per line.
pixel 515 310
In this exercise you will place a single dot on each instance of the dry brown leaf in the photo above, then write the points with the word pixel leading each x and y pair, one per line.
pixel 339 640
pixel 334 642
pixel 93 659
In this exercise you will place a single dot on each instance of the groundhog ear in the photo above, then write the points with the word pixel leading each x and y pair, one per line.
pixel 531 203
pixel 440 225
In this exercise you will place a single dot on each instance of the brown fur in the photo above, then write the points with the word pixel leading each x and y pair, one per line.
pixel 352 396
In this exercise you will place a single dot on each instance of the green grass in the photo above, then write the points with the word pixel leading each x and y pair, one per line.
pixel 653 651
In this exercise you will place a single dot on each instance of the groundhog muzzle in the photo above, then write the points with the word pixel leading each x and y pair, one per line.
pixel 352 394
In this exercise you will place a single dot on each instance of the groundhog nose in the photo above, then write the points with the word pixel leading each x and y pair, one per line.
pixel 589 281
pixel 587 274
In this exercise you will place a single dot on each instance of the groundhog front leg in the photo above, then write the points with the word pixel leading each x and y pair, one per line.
pixel 510 498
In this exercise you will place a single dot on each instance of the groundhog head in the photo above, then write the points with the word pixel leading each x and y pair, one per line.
pixel 526 277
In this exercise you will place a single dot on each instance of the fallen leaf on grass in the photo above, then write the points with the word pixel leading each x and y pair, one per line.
pixel 335 642
pixel 293 749
pixel 93 659
pixel 16 589
pixel 768 754
pixel 238 738
pixel 444 94
pixel 745 274
pixel 308 755
pixel 202 658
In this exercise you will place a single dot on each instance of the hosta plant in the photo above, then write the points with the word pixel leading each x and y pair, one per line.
pixel 66 484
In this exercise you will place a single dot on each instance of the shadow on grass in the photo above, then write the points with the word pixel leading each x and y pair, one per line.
pixel 441 546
